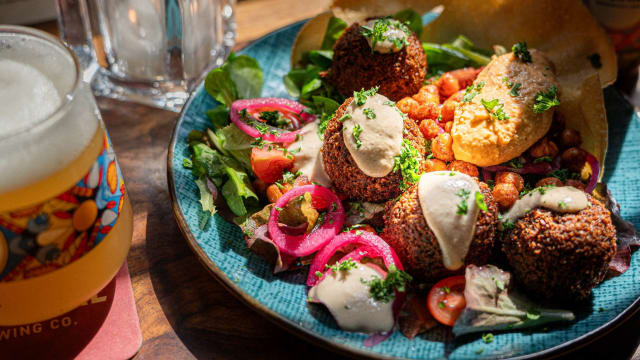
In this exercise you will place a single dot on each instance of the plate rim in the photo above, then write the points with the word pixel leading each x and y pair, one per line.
pixel 285 323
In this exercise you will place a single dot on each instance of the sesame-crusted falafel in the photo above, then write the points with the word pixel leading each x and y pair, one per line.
pixel 345 174
pixel 355 66
pixel 561 256
pixel 408 233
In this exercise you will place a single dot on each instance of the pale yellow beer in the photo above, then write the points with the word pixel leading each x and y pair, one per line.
pixel 65 217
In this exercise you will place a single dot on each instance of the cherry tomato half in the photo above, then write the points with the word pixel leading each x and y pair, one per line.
pixel 270 164
pixel 446 299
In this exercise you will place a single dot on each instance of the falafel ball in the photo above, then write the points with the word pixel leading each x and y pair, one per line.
pixel 561 256
pixel 345 174
pixel 408 233
pixel 355 66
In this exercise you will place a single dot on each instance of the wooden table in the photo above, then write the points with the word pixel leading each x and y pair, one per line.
pixel 184 312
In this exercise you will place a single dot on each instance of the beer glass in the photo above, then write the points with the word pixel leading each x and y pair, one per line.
pixel 65 218
pixel 149 51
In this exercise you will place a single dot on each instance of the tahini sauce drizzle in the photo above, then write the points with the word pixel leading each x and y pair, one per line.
pixel 438 195
pixel 381 137
pixel 309 159
pixel 386 46
pixel 563 199
pixel 348 300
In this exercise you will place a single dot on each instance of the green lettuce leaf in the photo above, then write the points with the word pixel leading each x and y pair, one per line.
pixel 219 85
pixel 237 190
pixel 239 78
pixel 494 304
pixel 335 28
pixel 219 116
pixel 206 198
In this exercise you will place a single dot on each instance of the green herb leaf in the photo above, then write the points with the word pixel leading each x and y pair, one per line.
pixel 335 28
pixel 357 129
pixel 487 338
pixel 361 96
pixel 546 100
pixel 384 289
pixel 521 52
pixel 515 89
pixel 463 207
pixel 369 113
pixel 480 201
pixel 407 162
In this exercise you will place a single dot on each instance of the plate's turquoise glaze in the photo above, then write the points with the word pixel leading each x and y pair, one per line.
pixel 285 295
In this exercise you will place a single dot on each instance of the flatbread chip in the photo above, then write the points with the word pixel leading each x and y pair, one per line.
pixel 310 36
pixel 564 30
pixel 582 105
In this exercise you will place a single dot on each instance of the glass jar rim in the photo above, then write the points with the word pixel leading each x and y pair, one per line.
pixel 67 97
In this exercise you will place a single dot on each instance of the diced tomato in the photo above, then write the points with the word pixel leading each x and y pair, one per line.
pixel 446 299
pixel 268 165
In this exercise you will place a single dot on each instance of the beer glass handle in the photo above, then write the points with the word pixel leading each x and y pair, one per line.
pixel 74 25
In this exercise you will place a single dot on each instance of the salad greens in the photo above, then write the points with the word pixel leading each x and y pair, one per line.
pixel 493 304
pixel 460 53
pixel 220 156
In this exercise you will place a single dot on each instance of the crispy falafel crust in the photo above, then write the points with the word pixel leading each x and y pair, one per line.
pixel 345 174
pixel 561 257
pixel 407 232
pixel 355 67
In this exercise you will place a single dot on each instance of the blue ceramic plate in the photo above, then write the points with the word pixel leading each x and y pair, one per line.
pixel 282 298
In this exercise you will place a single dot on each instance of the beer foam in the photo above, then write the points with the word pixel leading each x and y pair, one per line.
pixel 41 130
pixel 26 96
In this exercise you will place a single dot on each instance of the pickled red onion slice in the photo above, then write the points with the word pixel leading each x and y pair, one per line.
pixel 290 109
pixel 305 244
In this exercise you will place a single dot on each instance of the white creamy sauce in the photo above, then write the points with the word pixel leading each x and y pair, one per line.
pixel 348 300
pixel 386 46
pixel 309 159
pixel 440 193
pixel 562 199
pixel 380 138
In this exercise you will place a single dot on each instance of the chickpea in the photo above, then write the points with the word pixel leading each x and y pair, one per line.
pixel 447 111
pixel 574 158
pixel 463 167
pixel 575 183
pixel 508 177
pixel 273 193
pixel 448 126
pixel 569 138
pixel 557 124
pixel 407 104
pixel 544 147
pixel 429 128
pixel 428 94
pixel 430 165
pixel 465 76
pixel 441 147
pixel 549 181
pixel 448 85
pixel 505 195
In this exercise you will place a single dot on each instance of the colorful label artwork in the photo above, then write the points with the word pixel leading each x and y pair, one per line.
pixel 48 236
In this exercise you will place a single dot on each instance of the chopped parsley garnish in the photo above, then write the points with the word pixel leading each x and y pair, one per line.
pixel 479 351
pixel 480 201
pixel 278 208
pixel 562 205
pixel 187 163
pixel 389 103
pixel 322 127
pixel 258 142
pixel 487 338
pixel 334 206
pixel 499 284
pixel 506 81
pixel 515 89
pixel 441 304
pixel 318 274
pixel 495 109
pixel 542 159
pixel 521 52
pixel 357 129
pixel 377 33
pixel 274 118
pixel 515 163
pixel 546 100
pixel 407 163
pixel 360 97
pixel 508 224
pixel 564 174
pixel 345 265
pixel 469 93
pixel 446 289
pixel 344 117
pixel 383 290
pixel 356 208
pixel 595 60
pixel 463 207
pixel 369 113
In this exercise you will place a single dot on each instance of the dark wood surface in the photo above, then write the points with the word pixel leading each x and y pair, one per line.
pixel 184 312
